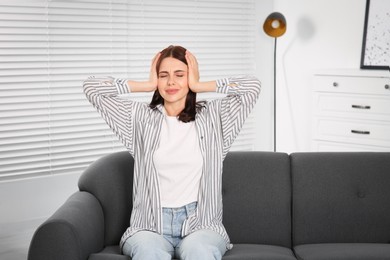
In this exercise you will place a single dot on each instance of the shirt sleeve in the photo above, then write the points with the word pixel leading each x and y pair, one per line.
pixel 103 93
pixel 242 95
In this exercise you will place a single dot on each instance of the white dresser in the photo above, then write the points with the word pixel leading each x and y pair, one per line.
pixel 351 110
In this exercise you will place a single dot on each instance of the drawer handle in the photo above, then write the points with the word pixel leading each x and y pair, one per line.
pixel 387 86
pixel 361 107
pixel 360 132
pixel 335 84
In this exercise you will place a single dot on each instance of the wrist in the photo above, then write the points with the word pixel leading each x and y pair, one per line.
pixel 141 86
pixel 121 85
pixel 206 86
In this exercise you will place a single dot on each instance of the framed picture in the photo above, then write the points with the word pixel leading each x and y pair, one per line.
pixel 376 36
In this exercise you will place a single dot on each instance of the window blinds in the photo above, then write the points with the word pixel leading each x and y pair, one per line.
pixel 48 48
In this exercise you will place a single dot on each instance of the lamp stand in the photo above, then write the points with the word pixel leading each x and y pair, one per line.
pixel 275 26
pixel 275 94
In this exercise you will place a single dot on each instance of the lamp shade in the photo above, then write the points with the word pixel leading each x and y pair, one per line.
pixel 275 25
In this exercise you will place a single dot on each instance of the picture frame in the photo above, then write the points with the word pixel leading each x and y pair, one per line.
pixel 376 36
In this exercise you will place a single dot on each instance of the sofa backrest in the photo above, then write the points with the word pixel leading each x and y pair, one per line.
pixel 341 197
pixel 110 180
pixel 256 195
pixel 257 198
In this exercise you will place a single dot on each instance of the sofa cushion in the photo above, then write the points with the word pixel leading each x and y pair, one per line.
pixel 109 253
pixel 259 252
pixel 239 252
pixel 257 198
pixel 357 251
pixel 341 197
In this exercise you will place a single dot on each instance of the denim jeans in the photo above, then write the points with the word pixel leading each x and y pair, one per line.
pixel 202 244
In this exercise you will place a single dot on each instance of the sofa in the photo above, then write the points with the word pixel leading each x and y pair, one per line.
pixel 277 206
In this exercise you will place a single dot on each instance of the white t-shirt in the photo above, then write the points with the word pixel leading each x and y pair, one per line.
pixel 179 162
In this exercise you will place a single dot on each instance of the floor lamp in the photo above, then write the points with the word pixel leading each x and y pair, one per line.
pixel 275 26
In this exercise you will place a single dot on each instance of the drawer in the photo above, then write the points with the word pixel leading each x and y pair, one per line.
pixel 352 106
pixel 347 84
pixel 325 146
pixel 352 131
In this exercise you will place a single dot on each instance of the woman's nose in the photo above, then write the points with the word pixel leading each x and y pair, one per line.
pixel 170 81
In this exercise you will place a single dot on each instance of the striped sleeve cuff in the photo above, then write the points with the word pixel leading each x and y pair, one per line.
pixel 223 85
pixel 121 86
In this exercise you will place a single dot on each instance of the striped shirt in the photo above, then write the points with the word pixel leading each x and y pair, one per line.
pixel 138 126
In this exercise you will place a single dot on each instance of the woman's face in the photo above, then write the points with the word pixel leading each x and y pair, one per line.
pixel 173 81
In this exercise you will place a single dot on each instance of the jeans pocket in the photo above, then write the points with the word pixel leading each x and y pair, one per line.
pixel 191 208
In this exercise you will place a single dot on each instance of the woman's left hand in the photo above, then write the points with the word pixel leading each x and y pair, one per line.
pixel 193 71
pixel 193 76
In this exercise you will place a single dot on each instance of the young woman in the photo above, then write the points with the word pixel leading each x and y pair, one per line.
pixel 178 146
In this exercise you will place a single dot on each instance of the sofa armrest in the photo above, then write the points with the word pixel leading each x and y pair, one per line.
pixel 73 232
pixel 110 180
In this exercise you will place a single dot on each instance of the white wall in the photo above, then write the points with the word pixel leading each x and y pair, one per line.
pixel 264 71
pixel 34 198
pixel 321 34
pixel 24 205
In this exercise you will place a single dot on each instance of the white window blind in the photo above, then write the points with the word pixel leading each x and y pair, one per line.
pixel 48 48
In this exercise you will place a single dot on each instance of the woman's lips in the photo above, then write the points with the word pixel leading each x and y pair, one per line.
pixel 171 91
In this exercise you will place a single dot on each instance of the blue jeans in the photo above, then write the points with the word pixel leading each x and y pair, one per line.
pixel 202 244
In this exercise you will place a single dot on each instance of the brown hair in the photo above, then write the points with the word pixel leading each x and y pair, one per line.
pixel 189 111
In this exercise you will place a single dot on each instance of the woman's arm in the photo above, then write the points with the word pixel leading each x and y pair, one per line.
pixel 193 77
pixel 242 94
pixel 146 86
pixel 103 93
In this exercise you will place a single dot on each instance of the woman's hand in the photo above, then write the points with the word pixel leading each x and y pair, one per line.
pixel 153 75
pixel 149 85
pixel 193 71
pixel 193 76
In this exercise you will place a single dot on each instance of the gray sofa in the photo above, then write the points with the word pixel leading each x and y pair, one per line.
pixel 307 206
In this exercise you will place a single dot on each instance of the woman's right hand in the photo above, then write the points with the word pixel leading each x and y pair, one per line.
pixel 147 85
pixel 153 75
